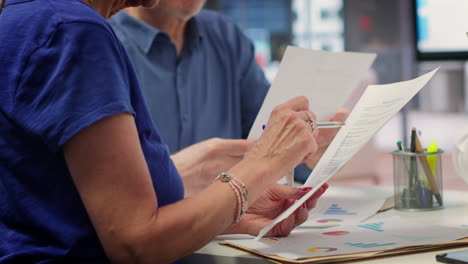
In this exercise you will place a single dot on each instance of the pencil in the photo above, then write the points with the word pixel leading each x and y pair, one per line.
pixel 414 184
pixel 427 170
pixel 330 124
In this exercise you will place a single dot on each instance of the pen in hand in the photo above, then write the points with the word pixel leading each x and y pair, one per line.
pixel 331 124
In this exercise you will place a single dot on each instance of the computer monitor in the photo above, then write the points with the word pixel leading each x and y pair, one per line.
pixel 441 28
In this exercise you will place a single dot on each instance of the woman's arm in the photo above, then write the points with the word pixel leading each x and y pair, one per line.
pixel 110 172
pixel 111 175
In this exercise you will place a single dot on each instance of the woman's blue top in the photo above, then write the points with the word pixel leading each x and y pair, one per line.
pixel 61 69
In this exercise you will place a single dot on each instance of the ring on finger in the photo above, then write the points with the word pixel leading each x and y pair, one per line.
pixel 310 120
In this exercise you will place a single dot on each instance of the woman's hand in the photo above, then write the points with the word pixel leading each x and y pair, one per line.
pixel 287 140
pixel 200 163
pixel 272 203
pixel 325 137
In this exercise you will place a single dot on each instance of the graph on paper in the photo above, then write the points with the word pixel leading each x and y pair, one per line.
pixel 336 209
pixel 322 249
pixel 375 226
pixel 332 211
pixel 329 221
pixel 336 233
pixel 378 234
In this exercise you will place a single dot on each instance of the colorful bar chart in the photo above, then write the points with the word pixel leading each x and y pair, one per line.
pixel 362 245
pixel 328 221
pixel 335 209
pixel 375 226
pixel 336 233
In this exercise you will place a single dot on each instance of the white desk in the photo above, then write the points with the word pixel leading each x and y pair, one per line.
pixel 455 207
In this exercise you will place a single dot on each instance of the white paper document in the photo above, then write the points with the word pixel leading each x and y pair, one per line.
pixel 327 79
pixel 383 234
pixel 375 107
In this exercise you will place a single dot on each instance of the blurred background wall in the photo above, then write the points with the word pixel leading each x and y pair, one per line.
pixel 389 29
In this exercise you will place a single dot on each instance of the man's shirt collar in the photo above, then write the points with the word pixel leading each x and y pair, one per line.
pixel 144 35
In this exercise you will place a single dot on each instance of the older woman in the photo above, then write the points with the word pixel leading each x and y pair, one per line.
pixel 84 174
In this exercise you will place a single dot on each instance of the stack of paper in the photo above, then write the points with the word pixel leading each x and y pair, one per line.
pixel 306 73
pixel 381 237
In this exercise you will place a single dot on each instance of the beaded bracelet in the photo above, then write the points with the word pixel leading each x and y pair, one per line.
pixel 239 189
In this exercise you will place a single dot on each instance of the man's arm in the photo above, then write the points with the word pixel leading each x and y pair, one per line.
pixel 200 163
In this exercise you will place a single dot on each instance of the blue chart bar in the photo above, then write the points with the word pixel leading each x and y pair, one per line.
pixel 362 245
pixel 335 209
pixel 375 226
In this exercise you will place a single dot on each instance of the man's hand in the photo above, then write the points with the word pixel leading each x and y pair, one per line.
pixel 325 137
pixel 200 163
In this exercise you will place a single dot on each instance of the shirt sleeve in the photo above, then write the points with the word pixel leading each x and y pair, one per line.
pixel 74 79
pixel 301 173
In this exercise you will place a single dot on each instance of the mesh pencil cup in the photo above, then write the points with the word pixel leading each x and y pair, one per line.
pixel 417 180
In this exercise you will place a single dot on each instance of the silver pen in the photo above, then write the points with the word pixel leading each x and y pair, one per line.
pixel 330 124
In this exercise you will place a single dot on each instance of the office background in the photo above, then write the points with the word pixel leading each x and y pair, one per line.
pixel 387 28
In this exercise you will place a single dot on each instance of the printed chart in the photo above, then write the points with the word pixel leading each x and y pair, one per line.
pixel 321 249
pixel 374 226
pixel 336 233
pixel 336 209
pixel 341 211
pixel 330 221
pixel 376 235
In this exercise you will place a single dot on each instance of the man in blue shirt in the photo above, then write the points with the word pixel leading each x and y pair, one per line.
pixel 206 73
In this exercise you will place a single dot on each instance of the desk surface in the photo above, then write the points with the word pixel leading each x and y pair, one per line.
pixel 455 206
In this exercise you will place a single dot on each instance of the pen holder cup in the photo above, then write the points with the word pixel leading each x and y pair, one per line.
pixel 417 180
